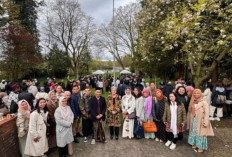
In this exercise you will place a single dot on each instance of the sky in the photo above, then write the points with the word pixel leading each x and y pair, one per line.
pixel 101 10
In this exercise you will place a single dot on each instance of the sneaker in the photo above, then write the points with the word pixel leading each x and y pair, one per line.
pixel 173 146
pixel 161 141
pixel 156 139
pixel 217 118
pixel 211 119
pixel 116 137
pixel 168 143
pixel 85 139
pixel 93 141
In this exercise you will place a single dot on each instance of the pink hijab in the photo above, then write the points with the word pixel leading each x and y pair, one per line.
pixel 66 93
pixel 27 112
pixel 65 114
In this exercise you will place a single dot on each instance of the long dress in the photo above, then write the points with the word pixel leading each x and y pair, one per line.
pixel 128 104
pixel 193 139
pixel 158 112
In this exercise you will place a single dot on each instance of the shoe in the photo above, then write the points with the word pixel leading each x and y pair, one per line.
pixel 93 141
pixel 79 135
pixel 85 139
pixel 161 141
pixel 156 139
pixel 105 141
pixel 217 118
pixel 173 146
pixel 168 143
pixel 116 137
pixel 76 140
pixel 211 119
pixel 111 137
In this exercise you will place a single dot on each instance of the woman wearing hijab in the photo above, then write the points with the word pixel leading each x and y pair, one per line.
pixel 157 113
pixel 198 123
pixel 147 117
pixel 128 107
pixel 64 119
pixel 113 113
pixel 174 118
pixel 52 105
pixel 138 107
pixel 37 144
pixel 22 123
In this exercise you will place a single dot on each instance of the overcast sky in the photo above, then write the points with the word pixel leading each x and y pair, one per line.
pixel 101 10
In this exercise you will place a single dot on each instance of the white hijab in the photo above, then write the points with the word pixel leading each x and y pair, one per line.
pixel 65 113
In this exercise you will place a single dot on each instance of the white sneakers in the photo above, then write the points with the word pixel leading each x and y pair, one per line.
pixel 168 143
pixel 211 119
pixel 93 141
pixel 156 139
pixel 217 118
pixel 172 147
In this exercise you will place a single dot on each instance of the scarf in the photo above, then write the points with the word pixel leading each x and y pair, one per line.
pixel 27 112
pixel 162 95
pixel 194 101
pixel 173 127
pixel 148 106
pixel 65 114
pixel 52 100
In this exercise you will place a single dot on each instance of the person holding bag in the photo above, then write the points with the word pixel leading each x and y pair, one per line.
pixel 128 110
pixel 64 119
pixel 198 122
pixel 174 118
pixel 147 118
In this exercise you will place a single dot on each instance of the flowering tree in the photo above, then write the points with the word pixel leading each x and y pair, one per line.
pixel 196 32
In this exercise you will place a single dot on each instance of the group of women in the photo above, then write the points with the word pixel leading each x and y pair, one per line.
pixel 51 118
pixel 173 115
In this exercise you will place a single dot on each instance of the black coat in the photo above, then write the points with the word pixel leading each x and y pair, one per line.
pixel 27 96
pixel 94 109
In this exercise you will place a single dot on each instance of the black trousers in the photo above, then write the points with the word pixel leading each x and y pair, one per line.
pixel 114 131
pixel 170 137
pixel 63 151
pixel 87 127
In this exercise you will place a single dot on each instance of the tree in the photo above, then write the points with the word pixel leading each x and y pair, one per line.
pixel 18 54
pixel 57 62
pixel 196 32
pixel 119 37
pixel 70 28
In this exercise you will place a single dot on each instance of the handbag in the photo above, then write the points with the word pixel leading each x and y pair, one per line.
pixel 149 127
pixel 138 130
pixel 132 115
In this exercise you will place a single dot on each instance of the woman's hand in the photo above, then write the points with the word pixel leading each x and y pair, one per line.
pixel 36 139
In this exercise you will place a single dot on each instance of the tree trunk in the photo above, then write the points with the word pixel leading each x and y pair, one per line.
pixel 215 75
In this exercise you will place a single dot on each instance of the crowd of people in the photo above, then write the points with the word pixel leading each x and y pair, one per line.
pixel 54 115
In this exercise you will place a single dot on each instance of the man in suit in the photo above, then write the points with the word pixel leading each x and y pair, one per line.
pixel 98 109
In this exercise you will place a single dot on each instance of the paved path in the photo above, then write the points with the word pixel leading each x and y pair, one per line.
pixel 219 146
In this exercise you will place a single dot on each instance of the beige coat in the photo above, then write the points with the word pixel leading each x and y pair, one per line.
pixel 204 127
pixel 22 123
pixel 37 128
